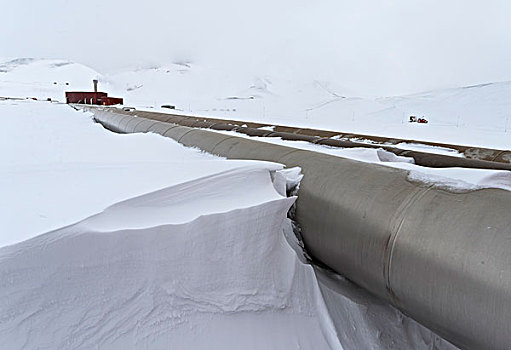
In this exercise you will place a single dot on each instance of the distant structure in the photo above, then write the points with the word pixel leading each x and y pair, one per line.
pixel 414 119
pixel 92 98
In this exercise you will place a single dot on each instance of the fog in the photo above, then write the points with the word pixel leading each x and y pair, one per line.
pixel 378 47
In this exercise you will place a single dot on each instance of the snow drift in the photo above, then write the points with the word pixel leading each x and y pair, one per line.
pixel 167 270
pixel 189 252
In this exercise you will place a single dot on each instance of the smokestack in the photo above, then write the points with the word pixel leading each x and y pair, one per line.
pixel 95 82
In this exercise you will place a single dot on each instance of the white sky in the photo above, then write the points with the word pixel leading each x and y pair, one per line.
pixel 384 47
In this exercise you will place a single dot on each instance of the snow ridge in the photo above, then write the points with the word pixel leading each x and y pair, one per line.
pixel 167 283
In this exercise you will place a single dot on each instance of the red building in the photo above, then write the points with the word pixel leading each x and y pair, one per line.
pixel 108 101
pixel 92 98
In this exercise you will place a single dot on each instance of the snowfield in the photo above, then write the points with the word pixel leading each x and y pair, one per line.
pixel 136 242
pixel 166 282
pixel 477 115
pixel 190 253
pixel 59 168
pixel 474 116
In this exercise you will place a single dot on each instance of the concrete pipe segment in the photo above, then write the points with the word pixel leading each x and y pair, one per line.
pixel 443 258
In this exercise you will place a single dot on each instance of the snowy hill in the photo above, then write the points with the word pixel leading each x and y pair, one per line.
pixel 486 106
pixel 43 78
pixel 476 115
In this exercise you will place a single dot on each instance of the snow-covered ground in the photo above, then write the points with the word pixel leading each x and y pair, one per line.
pixel 475 116
pixel 133 241
pixel 136 242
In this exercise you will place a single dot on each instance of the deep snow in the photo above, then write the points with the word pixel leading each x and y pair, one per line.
pixel 151 245
pixel 58 168
pixel 210 279
pixel 190 252
pixel 133 241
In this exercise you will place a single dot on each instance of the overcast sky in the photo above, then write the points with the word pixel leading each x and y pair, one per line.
pixel 382 47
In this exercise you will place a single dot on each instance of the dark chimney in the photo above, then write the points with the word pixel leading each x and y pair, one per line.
pixel 95 82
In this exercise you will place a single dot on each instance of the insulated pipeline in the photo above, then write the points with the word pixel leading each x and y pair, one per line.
pixel 441 257
pixel 474 157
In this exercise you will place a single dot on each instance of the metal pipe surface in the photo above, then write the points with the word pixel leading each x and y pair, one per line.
pixel 442 257
pixel 478 158
pixel 487 155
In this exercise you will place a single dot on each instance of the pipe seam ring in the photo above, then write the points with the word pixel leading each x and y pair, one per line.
pixel 395 228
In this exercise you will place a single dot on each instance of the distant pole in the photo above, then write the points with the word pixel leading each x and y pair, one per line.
pixel 507 119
